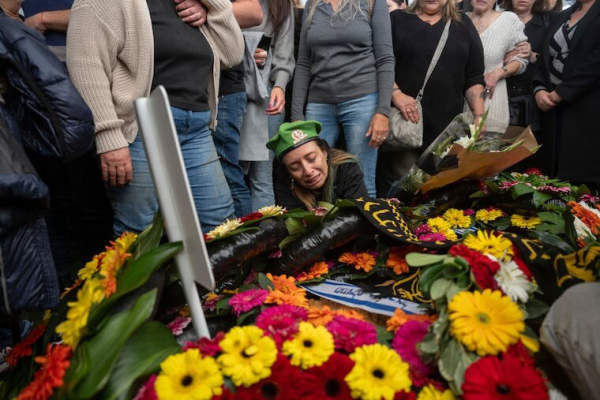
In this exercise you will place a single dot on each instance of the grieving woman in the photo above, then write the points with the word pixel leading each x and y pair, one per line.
pixel 310 170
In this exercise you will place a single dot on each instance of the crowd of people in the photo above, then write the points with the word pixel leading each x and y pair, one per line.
pixel 277 103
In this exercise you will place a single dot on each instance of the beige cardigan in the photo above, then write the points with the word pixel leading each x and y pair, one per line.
pixel 110 56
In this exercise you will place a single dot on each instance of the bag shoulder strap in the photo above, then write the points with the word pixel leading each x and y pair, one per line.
pixel 436 57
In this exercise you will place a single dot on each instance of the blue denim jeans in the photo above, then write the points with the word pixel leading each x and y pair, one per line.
pixel 260 173
pixel 135 204
pixel 352 118
pixel 232 108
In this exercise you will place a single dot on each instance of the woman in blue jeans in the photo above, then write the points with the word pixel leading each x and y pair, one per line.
pixel 345 74
pixel 112 65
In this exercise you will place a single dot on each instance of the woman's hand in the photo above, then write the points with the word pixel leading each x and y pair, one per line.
pixel 521 50
pixel 191 12
pixel 116 167
pixel 546 101
pixel 260 57
pixel 407 106
pixel 378 129
pixel 276 102
pixel 491 80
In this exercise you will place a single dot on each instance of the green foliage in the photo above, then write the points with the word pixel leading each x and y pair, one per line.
pixel 95 358
pixel 141 356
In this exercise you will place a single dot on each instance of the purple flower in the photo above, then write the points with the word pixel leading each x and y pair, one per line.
pixel 405 342
pixel 422 229
pixel 469 211
pixel 178 325
pixel 251 277
pixel 433 237
pixel 508 185
pixel 246 301
pixel 320 211
pixel 588 198
pixel 275 254
pixel 555 189
pixel 281 322
pixel 147 391
pixel 350 333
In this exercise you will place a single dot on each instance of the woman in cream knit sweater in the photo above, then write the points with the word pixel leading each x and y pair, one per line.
pixel 118 51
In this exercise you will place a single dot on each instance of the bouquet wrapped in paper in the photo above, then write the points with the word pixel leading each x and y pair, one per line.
pixel 462 151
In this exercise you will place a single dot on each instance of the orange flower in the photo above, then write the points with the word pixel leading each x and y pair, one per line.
pixel 320 316
pixel 50 375
pixel 400 318
pixel 68 290
pixel 111 264
pixel 283 283
pixel 352 314
pixel 587 216
pixel 317 270
pixel 294 299
pixel 364 261
pixel 23 349
pixel 397 258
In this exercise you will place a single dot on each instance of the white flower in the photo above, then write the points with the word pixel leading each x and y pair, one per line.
pixel 513 281
pixel 271 211
pixel 582 230
pixel 556 395
pixel 224 228
pixel 465 141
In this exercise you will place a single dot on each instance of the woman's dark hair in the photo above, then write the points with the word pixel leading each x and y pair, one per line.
pixel 279 12
pixel 335 157
pixel 539 6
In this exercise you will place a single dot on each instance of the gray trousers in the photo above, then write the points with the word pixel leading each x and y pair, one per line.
pixel 571 332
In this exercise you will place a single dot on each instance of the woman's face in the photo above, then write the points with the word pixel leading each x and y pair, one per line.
pixel 522 6
pixel 392 5
pixel 307 165
pixel 482 6
pixel 432 7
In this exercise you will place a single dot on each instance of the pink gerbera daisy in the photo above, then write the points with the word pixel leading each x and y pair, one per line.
pixel 281 322
pixel 405 343
pixel 245 301
pixel 349 333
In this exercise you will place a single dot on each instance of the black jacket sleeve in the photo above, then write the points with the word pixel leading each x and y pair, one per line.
pixel 349 183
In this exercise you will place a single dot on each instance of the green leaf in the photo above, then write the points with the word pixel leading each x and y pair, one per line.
pixel 540 198
pixel 244 316
pixel 429 345
pixel 423 260
pixel 536 308
pixel 223 304
pixel 265 283
pixel 520 189
pixel 295 226
pixel 104 347
pixel 141 356
pixel 553 240
pixel 429 275
pixel 134 275
pixel 149 238
pixel 383 335
pixel 570 231
pixel 453 290
pixel 439 288
pixel 449 359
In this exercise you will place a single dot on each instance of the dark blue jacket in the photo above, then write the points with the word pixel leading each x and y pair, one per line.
pixel 42 115
pixel 55 121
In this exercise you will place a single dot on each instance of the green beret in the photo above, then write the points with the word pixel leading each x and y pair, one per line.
pixel 292 135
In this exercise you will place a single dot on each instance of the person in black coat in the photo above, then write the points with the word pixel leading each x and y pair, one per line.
pixel 567 91
pixel 310 171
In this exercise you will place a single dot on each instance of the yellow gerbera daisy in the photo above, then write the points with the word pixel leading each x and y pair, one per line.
pixel 449 234
pixel 488 215
pixel 438 224
pixel 72 328
pixel 486 322
pixel 247 355
pixel 379 373
pixel 311 347
pixel 189 376
pixel 271 211
pixel 457 218
pixel 523 221
pixel 429 392
pixel 88 271
pixel 125 241
pixel 224 228
pixel 490 243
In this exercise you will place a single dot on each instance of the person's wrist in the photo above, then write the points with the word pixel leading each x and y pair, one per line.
pixel 42 21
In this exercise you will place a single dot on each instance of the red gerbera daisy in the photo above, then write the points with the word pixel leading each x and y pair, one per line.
pixel 207 347
pixel 285 383
pixel 492 378
pixel 328 380
pixel 483 268
pixel 23 349
pixel 522 266
pixel 50 375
